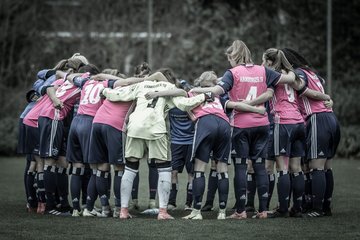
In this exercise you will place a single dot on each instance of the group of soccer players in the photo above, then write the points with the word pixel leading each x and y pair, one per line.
pixel 81 122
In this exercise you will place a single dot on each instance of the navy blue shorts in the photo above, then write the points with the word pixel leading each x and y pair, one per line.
pixel 251 143
pixel 288 140
pixel 181 156
pixel 212 134
pixel 21 137
pixel 52 138
pixel 32 139
pixel 322 135
pixel 79 139
pixel 106 145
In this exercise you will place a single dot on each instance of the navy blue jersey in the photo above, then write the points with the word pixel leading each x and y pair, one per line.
pixel 272 78
pixel 27 109
pixel 181 127
pixel 45 78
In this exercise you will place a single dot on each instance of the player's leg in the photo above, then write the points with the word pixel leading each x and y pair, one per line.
pixel 153 181
pixel 212 187
pixel 250 188
pixel 118 173
pixel 174 189
pixel 30 183
pixel 92 192
pixel 329 188
pixel 297 185
pixel 223 188
pixel 270 164
pixel 102 186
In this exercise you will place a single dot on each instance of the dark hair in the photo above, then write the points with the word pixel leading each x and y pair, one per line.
pixel 296 59
pixel 74 64
pixel 142 70
pixel 113 72
pixel 91 68
pixel 169 74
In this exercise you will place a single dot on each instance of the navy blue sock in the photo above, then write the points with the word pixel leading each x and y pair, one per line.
pixel 135 187
pixel 31 191
pixel 251 189
pixel 117 186
pixel 91 192
pixel 28 161
pixel 85 182
pixel 283 190
pixel 75 187
pixel 109 186
pixel 50 186
pixel 329 189
pixel 223 187
pixel 173 193
pixel 307 198
pixel 102 186
pixel 62 183
pixel 40 187
pixel 271 188
pixel 318 188
pixel 212 187
pixel 153 181
pixel 240 190
pixel 298 187
pixel 198 189
pixel 262 184
pixel 189 193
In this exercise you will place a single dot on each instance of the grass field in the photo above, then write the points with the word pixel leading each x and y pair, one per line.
pixel 16 223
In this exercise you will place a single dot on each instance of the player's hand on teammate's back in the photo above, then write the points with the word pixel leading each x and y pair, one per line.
pixel 151 95
pixel 209 96
pixel 58 104
pixel 329 103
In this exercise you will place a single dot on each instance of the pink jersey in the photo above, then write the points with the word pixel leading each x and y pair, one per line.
pixel 307 105
pixel 249 83
pixel 207 108
pixel 31 119
pixel 68 93
pixel 90 100
pixel 113 114
pixel 284 105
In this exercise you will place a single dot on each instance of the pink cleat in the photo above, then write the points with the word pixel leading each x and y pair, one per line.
pixel 163 215
pixel 124 213
pixel 237 215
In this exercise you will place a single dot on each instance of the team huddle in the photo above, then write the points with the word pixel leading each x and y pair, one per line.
pixel 97 126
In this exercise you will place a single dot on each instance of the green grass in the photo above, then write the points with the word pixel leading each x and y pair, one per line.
pixel 16 223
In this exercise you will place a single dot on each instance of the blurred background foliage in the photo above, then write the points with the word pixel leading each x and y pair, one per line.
pixel 193 37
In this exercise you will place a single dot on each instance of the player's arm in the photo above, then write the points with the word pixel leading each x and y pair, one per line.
pixel 51 92
pixel 243 107
pixel 127 81
pixel 287 78
pixel 264 97
pixel 316 95
pixel 176 92
pixel 224 86
pixel 123 94
pixel 186 104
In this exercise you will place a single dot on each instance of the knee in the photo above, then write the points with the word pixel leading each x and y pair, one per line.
pixel 133 165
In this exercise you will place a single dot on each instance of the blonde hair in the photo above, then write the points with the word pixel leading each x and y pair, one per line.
pixel 207 76
pixel 279 60
pixel 239 53
pixel 82 58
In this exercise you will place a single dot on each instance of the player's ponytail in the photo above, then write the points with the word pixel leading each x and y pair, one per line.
pixel 278 59
pixel 61 65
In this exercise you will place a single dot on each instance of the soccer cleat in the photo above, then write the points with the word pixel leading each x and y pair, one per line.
pixel 76 213
pixel 295 213
pixel 41 208
pixel 222 214
pixel 152 203
pixel 261 215
pixel 195 214
pixel 315 214
pixel 134 204
pixel 163 215
pixel 92 213
pixel 116 212
pixel 327 212
pixel 55 212
pixel 207 207
pixel 188 207
pixel 124 213
pixel 171 206
pixel 104 214
pixel 278 214
pixel 237 215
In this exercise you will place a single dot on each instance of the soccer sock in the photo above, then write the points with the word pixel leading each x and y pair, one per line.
pixel 85 182
pixel 91 191
pixel 198 189
pixel 102 186
pixel 271 188
pixel 283 190
pixel 223 186
pixel 127 185
pixel 240 186
pixel 212 187
pixel 117 186
pixel 31 191
pixel 308 190
pixel 189 193
pixel 135 187
pixel 164 186
pixel 62 183
pixel 329 189
pixel 26 170
pixel 318 188
pixel 173 193
pixel 262 184
pixel 153 182
pixel 251 189
pixel 298 186
pixel 40 187
pixel 109 186
pixel 50 186
pixel 75 186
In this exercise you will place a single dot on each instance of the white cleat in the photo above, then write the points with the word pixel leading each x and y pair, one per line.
pixel 76 213
pixel 92 213
pixel 222 214
pixel 116 212
pixel 195 214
